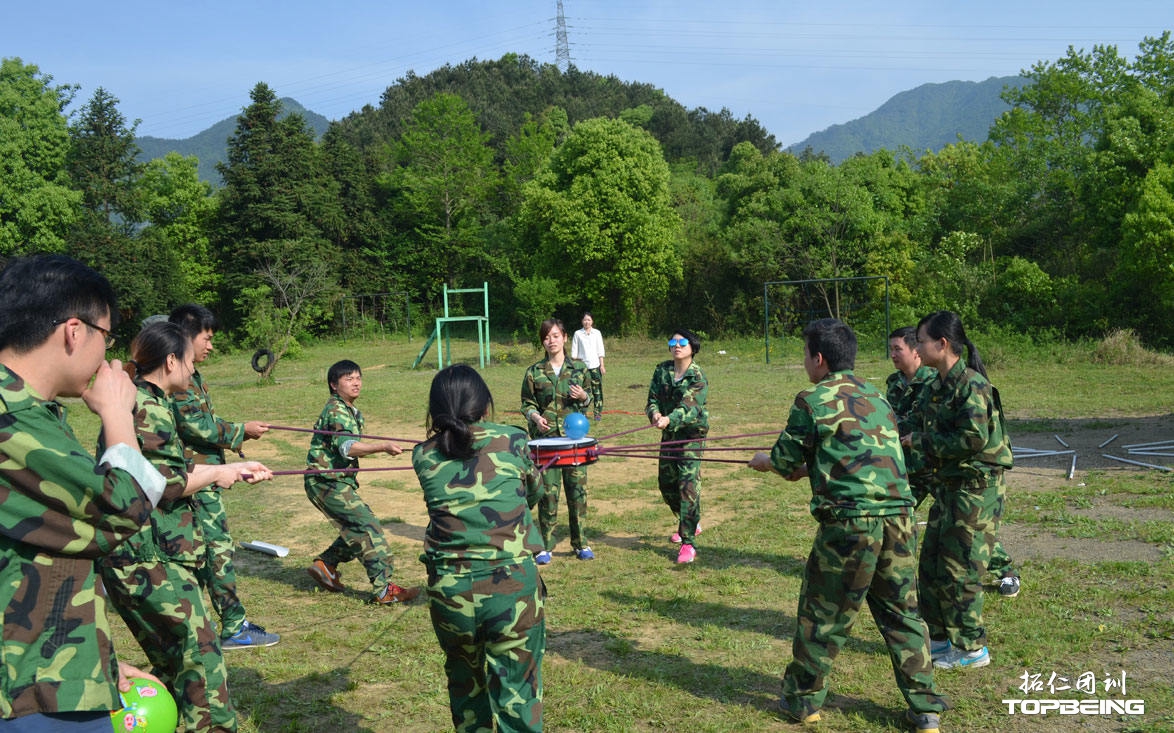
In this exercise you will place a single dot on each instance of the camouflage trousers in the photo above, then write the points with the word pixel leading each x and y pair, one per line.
pixel 853 561
pixel 360 534
pixel 596 391
pixel 1001 564
pixel 959 542
pixel 163 606
pixel 218 574
pixel 574 483
pixel 492 628
pixel 679 479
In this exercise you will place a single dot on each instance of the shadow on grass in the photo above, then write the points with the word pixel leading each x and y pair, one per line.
pixel 298 705
pixel 723 684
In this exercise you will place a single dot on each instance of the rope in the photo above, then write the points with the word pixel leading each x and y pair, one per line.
pixel 338 432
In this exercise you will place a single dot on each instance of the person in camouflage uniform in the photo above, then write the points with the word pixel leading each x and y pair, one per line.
pixel 336 444
pixel 62 509
pixel 485 595
pixel 205 437
pixel 151 578
pixel 552 389
pixel 962 439
pixel 905 388
pixel 676 405
pixel 842 435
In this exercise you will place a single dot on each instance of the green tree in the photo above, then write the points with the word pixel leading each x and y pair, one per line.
pixel 37 205
pixel 601 222
pixel 1147 257
pixel 441 182
pixel 277 204
pixel 178 208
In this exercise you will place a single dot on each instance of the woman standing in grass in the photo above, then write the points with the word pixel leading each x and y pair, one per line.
pixel 151 578
pixel 963 440
pixel 552 389
pixel 485 595
pixel 676 405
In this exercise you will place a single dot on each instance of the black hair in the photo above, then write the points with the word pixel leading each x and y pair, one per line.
pixel 908 334
pixel 156 342
pixel 194 319
pixel 947 325
pixel 40 292
pixel 340 369
pixel 547 326
pixel 459 397
pixel 693 339
pixel 834 340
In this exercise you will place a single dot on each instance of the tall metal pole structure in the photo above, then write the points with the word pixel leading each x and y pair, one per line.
pixel 562 48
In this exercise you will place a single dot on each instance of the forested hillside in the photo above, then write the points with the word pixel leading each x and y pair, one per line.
pixel 571 191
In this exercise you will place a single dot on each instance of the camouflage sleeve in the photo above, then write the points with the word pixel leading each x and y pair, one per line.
pixel 199 427
pixel 529 393
pixel 155 425
pixel 535 488
pixel 56 497
pixel 654 386
pixel 790 450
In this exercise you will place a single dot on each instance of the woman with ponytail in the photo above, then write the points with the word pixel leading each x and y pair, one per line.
pixel 151 578
pixel 962 440
pixel 485 595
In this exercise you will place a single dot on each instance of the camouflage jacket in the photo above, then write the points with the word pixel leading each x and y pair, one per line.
pixel 845 432
pixel 172 533
pixel 205 437
pixel 683 402
pixel 61 511
pixel 479 509
pixel 903 394
pixel 962 436
pixel 548 394
pixel 329 451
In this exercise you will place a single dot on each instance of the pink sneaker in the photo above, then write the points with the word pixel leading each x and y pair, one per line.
pixel 676 536
pixel 687 554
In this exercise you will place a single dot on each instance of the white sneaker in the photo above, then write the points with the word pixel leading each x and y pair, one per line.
pixel 956 658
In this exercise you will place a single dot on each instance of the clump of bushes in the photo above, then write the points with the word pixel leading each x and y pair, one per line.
pixel 1123 347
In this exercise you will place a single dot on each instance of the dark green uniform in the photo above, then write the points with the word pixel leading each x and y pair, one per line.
pixel 61 511
pixel 963 441
pixel 904 395
pixel 484 592
pixel 679 467
pixel 548 394
pixel 845 433
pixel 360 534
pixel 205 437
pixel 152 580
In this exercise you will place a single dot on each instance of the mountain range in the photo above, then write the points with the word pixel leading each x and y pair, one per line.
pixel 927 117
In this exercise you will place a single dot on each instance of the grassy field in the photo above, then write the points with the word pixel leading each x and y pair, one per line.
pixel 636 643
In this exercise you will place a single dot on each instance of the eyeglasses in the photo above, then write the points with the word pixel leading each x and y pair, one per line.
pixel 110 338
pixel 678 342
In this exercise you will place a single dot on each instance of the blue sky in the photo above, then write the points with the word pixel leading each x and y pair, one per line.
pixel 796 66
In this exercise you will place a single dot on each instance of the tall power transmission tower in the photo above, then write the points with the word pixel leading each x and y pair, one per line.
pixel 562 48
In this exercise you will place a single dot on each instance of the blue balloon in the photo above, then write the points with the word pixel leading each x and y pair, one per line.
pixel 576 426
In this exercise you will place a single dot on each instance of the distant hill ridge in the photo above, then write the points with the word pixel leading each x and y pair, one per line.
pixel 211 145
pixel 928 117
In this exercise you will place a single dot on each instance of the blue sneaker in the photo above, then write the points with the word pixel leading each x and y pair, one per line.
pixel 251 635
pixel 543 558
pixel 938 648
pixel 957 658
pixel 586 554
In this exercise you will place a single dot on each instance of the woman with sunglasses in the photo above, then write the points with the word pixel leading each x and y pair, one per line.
pixel 676 405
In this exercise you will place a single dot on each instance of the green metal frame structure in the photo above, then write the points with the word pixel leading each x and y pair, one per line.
pixel 440 333
pixel 766 302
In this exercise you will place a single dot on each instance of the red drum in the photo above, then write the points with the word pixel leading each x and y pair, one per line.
pixel 562 452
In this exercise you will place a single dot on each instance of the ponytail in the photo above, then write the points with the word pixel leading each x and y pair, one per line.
pixel 947 325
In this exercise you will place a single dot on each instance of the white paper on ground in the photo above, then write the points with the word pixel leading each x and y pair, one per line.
pixel 267 548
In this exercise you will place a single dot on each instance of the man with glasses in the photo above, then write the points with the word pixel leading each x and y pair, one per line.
pixel 62 508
